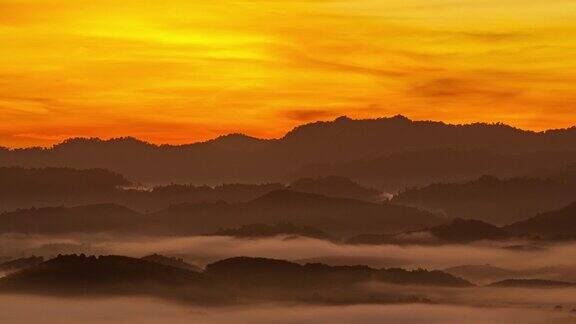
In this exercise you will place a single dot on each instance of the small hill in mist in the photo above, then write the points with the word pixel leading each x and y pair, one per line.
pixel 238 158
pixel 248 271
pixel 493 200
pixel 236 280
pixel 457 231
pixel 532 283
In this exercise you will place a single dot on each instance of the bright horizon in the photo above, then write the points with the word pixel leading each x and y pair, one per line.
pixel 188 71
pixel 267 138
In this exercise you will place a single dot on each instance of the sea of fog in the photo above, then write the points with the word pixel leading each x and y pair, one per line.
pixel 451 305
pixel 33 309
pixel 204 249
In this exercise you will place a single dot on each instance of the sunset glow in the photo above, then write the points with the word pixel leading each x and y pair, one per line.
pixel 183 71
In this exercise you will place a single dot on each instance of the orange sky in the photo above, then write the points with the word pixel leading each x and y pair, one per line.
pixel 178 71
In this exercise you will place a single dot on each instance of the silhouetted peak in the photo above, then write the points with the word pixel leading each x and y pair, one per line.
pixel 342 119
pixel 234 138
pixel 400 118
pixel 237 141
pixel 94 141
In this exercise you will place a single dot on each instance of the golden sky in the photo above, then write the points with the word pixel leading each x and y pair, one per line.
pixel 179 71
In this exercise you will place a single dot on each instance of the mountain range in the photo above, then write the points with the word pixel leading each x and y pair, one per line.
pixel 389 145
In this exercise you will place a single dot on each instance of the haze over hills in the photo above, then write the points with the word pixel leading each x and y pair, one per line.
pixel 239 158
pixel 558 224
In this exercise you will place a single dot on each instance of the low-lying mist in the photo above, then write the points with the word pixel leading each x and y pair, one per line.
pixel 20 309
pixel 204 249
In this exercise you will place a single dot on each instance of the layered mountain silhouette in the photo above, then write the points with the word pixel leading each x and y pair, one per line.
pixel 239 158
pixel 46 187
pixel 334 215
pixel 556 225
pixel 235 280
pixel 490 199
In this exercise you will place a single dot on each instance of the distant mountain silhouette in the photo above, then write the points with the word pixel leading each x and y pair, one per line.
pixel 264 230
pixel 532 283
pixel 333 215
pixel 170 261
pixel 238 158
pixel 498 201
pixel 235 280
pixel 559 224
